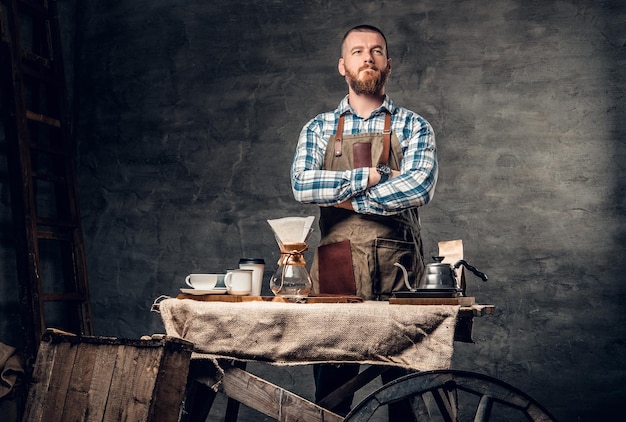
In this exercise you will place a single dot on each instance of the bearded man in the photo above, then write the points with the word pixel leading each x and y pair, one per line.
pixel 369 165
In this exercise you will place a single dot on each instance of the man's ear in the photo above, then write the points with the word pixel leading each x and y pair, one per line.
pixel 341 67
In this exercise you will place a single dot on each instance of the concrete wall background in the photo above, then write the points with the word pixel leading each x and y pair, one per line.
pixel 187 115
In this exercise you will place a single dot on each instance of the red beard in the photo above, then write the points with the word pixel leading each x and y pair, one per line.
pixel 368 83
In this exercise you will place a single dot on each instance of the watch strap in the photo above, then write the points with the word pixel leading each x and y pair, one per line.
pixel 385 172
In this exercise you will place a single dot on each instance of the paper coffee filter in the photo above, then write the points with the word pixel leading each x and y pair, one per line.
pixel 292 229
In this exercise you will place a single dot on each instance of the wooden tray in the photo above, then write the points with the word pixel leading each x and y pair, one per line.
pixel 233 298
pixel 463 301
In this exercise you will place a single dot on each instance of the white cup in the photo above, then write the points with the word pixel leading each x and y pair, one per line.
pixel 203 281
pixel 238 282
pixel 257 265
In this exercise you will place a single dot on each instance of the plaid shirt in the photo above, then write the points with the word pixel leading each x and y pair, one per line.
pixel 413 188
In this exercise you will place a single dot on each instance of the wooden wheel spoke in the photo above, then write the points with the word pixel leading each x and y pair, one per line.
pixel 420 406
pixel 446 400
pixel 484 409
pixel 498 393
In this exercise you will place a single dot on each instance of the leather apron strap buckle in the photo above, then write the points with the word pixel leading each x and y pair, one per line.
pixel 386 138
pixel 384 158
pixel 339 137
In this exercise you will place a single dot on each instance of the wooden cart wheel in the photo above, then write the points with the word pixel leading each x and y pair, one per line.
pixel 453 396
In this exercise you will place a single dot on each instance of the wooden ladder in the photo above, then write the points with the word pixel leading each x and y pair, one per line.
pixel 41 153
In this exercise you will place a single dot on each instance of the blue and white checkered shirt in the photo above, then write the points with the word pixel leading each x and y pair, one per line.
pixel 414 187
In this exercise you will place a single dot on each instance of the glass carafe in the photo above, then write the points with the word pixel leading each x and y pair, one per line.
pixel 291 280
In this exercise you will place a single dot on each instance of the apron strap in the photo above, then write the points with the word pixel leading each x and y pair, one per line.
pixel 339 137
pixel 386 139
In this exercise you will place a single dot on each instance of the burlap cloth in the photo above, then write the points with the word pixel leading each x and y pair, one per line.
pixel 417 337
pixel 11 368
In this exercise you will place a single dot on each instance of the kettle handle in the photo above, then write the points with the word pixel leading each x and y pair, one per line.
pixel 482 276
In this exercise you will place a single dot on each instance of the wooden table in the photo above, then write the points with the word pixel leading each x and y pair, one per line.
pixel 227 374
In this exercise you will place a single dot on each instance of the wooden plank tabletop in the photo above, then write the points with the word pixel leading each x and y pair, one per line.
pixel 237 299
pixel 469 307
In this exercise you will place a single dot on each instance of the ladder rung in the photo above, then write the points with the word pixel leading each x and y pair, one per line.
pixel 49 177
pixel 42 221
pixel 48 235
pixel 36 60
pixel 50 121
pixel 63 297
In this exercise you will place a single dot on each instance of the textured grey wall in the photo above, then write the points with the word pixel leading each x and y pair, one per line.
pixel 188 113
pixel 188 117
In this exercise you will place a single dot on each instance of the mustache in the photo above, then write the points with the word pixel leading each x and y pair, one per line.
pixel 372 67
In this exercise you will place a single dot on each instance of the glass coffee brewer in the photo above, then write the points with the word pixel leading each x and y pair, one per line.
pixel 291 279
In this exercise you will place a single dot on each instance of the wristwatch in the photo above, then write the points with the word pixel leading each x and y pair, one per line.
pixel 385 171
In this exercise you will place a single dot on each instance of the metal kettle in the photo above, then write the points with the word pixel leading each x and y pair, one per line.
pixel 442 276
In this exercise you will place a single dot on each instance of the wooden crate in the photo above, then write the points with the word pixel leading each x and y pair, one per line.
pixel 108 379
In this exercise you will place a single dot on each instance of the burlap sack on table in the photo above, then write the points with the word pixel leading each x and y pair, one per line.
pixel 417 337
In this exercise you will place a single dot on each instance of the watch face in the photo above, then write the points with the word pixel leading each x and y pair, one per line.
pixel 383 169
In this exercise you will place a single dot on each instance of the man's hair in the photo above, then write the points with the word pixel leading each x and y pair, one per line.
pixel 364 28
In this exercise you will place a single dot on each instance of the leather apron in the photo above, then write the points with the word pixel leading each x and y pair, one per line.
pixel 356 252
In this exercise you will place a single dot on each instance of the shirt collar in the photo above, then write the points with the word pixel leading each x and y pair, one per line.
pixel 387 105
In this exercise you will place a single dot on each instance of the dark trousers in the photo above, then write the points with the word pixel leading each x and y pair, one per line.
pixel 330 377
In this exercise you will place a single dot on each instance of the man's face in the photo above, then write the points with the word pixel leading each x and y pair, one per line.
pixel 364 63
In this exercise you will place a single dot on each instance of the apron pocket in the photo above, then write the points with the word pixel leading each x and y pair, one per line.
pixel 388 277
pixel 336 275
pixel 362 154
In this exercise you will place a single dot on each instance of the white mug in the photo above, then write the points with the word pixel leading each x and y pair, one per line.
pixel 203 281
pixel 257 265
pixel 238 282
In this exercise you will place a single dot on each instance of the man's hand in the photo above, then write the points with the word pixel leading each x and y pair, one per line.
pixel 346 205
pixel 373 177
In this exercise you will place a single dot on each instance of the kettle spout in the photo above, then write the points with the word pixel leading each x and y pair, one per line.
pixel 406 276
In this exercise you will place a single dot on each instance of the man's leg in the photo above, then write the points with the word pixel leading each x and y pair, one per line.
pixel 399 411
pixel 328 378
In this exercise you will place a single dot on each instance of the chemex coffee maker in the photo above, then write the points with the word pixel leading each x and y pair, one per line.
pixel 291 279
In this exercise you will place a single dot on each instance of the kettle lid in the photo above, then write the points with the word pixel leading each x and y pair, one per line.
pixel 438 262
